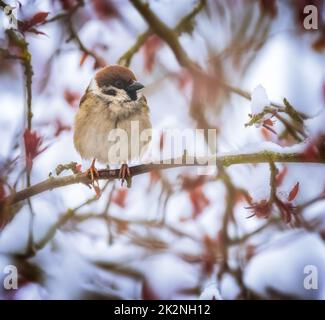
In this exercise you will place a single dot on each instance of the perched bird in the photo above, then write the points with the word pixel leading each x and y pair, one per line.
pixel 111 101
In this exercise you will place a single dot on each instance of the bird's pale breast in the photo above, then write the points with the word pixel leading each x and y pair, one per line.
pixel 94 123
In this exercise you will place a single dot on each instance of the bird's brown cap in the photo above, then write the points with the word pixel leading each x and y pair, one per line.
pixel 110 74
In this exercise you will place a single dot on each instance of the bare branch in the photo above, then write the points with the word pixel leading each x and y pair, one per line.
pixel 165 33
pixel 170 36
pixel 182 26
pixel 228 160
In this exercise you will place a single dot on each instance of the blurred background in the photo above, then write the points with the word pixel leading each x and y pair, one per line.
pixel 174 234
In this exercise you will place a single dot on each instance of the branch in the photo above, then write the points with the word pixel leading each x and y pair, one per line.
pixel 170 36
pixel 181 27
pixel 227 160
pixel 74 36
pixel 273 174
pixel 125 59
pixel 166 34
pixel 25 58
pixel 66 13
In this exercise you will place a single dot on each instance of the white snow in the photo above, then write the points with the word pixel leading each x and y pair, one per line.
pixel 210 292
pixel 259 100
pixel 68 260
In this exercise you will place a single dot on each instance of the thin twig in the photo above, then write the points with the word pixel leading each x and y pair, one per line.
pixel 273 174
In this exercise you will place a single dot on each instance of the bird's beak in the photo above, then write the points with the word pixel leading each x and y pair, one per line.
pixel 135 86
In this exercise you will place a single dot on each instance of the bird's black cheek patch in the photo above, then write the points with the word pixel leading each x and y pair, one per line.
pixel 132 95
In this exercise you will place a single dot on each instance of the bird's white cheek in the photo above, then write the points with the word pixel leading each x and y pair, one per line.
pixel 121 96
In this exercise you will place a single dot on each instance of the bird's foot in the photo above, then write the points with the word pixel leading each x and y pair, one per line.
pixel 125 175
pixel 93 174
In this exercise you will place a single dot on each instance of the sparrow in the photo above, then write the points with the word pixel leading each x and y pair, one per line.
pixel 111 101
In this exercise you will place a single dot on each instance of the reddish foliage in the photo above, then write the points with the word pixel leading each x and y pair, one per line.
pixel 122 226
pixel 105 9
pixel 315 149
pixel 32 143
pixel 319 44
pixel 161 141
pixel 320 142
pixel 154 178
pixel 241 195
pixel 119 197
pixel 207 88
pixel 311 152
pixel 97 191
pixel 260 209
pixel 265 133
pixel 280 176
pixel 33 30
pixel 150 49
pixel 36 19
pixel 2 190
pixel 208 262
pixel 209 242
pixel 199 201
pixel 60 127
pixel 269 7
pixel 191 182
pixel 293 193
pixel 71 97
pixel 220 238
pixel 250 252
pixel 5 216
pixel 99 62
pixel 267 124
pixel 269 129
pixel 286 210
pixel 68 4
pixel 263 208
pixel 184 78
pixel 147 292
pixel 322 234
pixel 208 258
pixel 83 58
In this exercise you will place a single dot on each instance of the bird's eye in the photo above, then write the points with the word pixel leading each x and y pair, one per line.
pixel 110 92
pixel 118 84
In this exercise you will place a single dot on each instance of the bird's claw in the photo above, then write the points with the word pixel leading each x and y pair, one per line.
pixel 125 175
pixel 93 174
